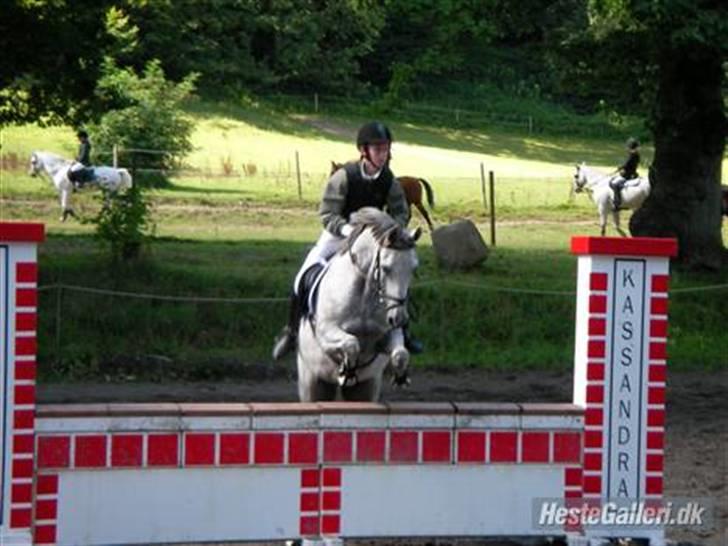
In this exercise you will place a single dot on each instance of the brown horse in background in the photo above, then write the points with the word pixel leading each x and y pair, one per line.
pixel 412 187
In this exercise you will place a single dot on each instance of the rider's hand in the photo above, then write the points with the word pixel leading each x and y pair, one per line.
pixel 346 230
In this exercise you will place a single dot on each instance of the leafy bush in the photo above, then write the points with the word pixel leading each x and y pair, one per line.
pixel 144 112
pixel 124 223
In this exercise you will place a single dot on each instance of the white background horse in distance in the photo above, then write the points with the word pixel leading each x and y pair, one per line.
pixel 56 168
pixel 596 183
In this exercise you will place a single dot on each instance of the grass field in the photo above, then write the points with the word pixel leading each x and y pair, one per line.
pixel 243 236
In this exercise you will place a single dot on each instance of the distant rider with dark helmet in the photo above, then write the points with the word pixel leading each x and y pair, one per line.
pixel 627 171
pixel 367 182
pixel 81 171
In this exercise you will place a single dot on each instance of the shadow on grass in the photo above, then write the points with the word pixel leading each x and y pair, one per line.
pixel 494 141
pixel 174 187
pixel 483 318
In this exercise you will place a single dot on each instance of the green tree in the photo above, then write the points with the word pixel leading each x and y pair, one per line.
pixel 685 44
pixel 51 54
pixel 277 44
pixel 425 39
pixel 144 112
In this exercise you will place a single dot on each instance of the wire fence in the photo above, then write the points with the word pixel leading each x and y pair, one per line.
pixel 472 114
pixel 473 322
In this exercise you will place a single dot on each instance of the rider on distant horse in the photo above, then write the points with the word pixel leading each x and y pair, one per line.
pixel 627 171
pixel 81 171
pixel 365 183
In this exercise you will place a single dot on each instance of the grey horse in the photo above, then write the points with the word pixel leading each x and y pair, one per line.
pixel 56 168
pixel 596 183
pixel 356 330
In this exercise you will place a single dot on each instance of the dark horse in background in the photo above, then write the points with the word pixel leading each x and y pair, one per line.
pixel 724 200
pixel 412 188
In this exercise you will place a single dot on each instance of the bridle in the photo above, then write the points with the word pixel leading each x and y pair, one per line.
pixel 35 168
pixel 382 297
pixel 579 180
pixel 348 370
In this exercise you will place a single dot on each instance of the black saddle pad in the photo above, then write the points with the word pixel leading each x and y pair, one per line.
pixel 307 299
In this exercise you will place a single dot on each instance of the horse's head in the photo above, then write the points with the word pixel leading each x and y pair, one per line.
pixel 35 165
pixel 384 253
pixel 580 178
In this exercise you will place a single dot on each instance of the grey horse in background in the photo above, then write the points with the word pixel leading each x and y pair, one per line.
pixel 356 330
pixel 56 168
pixel 597 184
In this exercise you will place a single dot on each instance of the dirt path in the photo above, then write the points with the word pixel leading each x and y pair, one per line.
pixel 697 416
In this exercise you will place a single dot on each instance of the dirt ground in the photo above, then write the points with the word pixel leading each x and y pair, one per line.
pixel 697 416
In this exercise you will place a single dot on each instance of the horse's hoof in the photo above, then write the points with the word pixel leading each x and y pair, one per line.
pixel 401 381
pixel 400 360
pixel 345 380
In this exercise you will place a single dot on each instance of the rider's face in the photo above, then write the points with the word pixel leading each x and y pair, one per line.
pixel 379 154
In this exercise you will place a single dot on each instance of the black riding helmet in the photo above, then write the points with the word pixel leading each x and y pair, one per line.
pixel 632 143
pixel 373 132
pixel 82 134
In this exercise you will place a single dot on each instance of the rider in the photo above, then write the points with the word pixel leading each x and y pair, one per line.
pixel 627 171
pixel 81 171
pixel 365 183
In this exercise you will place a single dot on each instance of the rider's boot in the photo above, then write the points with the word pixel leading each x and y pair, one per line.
pixel 617 197
pixel 411 343
pixel 286 340
pixel 73 178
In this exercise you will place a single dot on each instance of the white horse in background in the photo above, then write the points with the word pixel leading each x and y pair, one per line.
pixel 56 168
pixel 598 185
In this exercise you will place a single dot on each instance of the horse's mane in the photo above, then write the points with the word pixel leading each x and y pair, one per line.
pixel 385 230
pixel 42 154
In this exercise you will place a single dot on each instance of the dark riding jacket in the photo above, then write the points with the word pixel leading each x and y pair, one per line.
pixel 628 170
pixel 84 153
pixel 347 191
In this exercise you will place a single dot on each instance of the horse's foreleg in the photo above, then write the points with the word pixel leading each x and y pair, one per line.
pixel 399 356
pixel 615 217
pixel 66 211
pixel 603 221
pixel 339 345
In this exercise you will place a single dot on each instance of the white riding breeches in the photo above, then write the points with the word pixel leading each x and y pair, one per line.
pixel 326 246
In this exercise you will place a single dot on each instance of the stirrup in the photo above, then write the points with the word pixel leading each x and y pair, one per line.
pixel 412 344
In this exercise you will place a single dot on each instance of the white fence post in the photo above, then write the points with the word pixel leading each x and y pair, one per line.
pixel 620 369
pixel 18 319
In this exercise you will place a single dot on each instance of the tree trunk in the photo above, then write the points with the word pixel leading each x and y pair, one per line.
pixel 689 127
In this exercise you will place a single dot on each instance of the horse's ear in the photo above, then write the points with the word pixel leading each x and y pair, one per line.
pixel 415 234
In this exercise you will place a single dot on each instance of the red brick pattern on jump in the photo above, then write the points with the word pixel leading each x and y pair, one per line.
pixel 46 508
pixel 320 501
pixel 121 450
pixel 591 471
pixel 24 347
pixel 657 374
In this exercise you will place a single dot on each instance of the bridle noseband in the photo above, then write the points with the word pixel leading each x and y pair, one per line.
pixel 381 293
pixel 579 181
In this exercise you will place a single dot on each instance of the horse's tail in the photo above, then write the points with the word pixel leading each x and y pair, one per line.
pixel 126 181
pixel 430 193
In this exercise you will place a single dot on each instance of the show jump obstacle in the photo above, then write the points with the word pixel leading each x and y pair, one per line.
pixel 160 473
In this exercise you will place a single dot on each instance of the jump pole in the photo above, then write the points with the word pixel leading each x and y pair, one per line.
pixel 160 473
